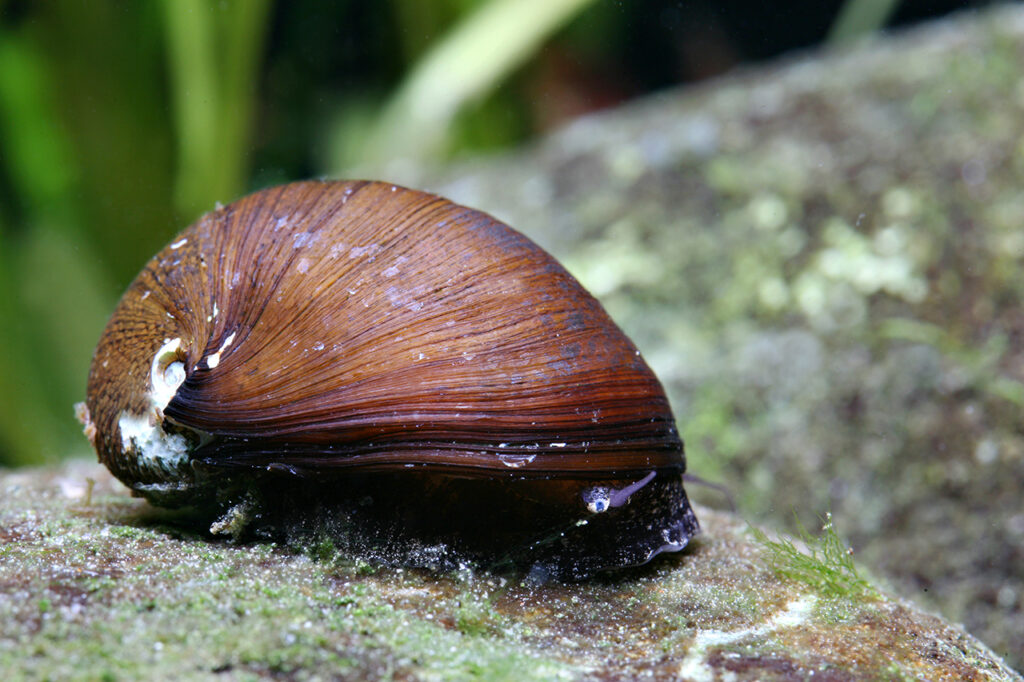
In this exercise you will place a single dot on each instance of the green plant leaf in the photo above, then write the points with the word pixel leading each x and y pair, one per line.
pixel 464 66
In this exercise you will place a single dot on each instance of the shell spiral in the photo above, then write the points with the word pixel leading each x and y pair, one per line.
pixel 360 326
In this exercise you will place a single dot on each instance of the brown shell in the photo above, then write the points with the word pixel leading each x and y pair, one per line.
pixel 360 326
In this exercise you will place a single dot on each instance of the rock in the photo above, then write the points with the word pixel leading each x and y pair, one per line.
pixel 97 585
pixel 821 259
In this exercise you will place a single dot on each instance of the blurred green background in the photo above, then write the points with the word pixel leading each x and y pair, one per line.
pixel 120 122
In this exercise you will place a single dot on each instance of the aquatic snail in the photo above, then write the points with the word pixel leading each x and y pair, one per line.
pixel 411 366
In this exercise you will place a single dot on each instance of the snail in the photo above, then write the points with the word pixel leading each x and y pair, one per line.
pixel 412 366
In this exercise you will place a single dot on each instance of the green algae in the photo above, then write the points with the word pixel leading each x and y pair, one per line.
pixel 822 562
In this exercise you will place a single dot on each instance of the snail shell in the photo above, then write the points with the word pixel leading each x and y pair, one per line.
pixel 341 340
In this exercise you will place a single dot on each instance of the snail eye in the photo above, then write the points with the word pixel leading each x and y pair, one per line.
pixel 597 499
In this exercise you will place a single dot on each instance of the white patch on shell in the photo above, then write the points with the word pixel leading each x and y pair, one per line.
pixel 393 270
pixel 142 435
pixel 154 449
pixel 402 298
pixel 516 461
pixel 214 359
pixel 180 243
pixel 166 374
pixel 159 454
pixel 360 251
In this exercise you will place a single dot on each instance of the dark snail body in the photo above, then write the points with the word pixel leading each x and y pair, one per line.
pixel 322 342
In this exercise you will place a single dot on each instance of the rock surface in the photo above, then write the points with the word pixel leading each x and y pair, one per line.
pixel 97 585
pixel 822 260
pixel 823 263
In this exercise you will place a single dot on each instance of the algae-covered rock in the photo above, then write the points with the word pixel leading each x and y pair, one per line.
pixel 823 260
pixel 97 585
